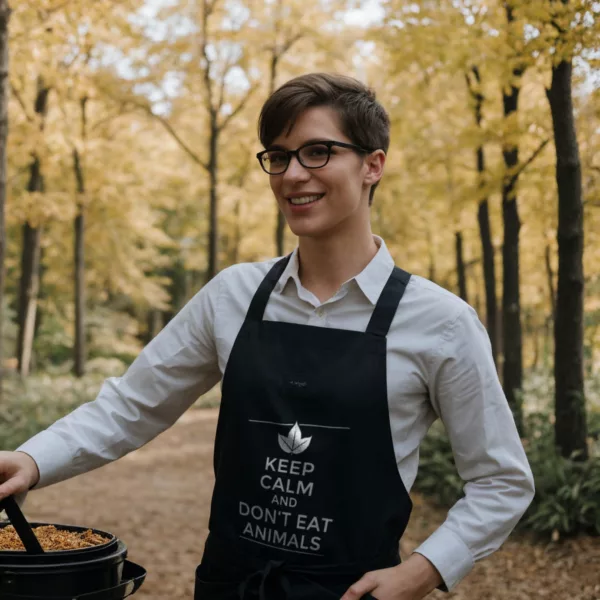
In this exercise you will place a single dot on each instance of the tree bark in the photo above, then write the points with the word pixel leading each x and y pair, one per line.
pixel 79 350
pixel 154 322
pixel 489 274
pixel 237 234
pixel 550 278
pixel 29 284
pixel 4 62
pixel 511 302
pixel 29 290
pixel 280 225
pixel 213 221
pixel 570 410
pixel 485 228
pixel 79 272
pixel 431 271
pixel 30 257
pixel 460 267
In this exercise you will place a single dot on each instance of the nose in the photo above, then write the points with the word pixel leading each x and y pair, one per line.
pixel 295 171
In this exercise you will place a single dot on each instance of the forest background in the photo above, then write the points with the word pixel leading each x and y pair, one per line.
pixel 129 179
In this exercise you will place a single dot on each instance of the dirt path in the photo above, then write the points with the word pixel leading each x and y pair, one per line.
pixel 157 500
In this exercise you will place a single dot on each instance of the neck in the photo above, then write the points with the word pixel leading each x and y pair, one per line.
pixel 326 263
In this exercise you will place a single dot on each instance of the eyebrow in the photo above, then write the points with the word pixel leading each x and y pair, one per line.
pixel 311 141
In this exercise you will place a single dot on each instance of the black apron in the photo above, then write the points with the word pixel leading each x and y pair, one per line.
pixel 307 497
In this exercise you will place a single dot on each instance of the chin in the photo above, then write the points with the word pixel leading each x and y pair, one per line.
pixel 308 230
pixel 302 230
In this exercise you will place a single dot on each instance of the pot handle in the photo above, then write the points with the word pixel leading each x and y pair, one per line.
pixel 133 576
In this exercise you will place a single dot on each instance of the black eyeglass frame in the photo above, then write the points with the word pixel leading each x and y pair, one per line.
pixel 290 153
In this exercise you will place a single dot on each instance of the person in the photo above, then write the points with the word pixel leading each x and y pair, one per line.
pixel 334 363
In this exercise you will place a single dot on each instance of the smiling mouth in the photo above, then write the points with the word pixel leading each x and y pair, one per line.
pixel 305 199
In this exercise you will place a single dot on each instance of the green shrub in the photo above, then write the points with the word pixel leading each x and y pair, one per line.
pixel 567 499
pixel 33 405
pixel 53 344
pixel 30 406
pixel 437 478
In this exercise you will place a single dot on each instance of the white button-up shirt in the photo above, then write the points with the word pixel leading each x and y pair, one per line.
pixel 439 364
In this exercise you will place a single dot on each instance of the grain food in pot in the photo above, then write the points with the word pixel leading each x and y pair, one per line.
pixel 52 539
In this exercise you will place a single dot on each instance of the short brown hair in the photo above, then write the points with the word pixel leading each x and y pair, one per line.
pixel 362 118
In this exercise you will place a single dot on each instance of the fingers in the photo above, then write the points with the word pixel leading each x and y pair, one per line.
pixel 363 586
pixel 15 485
pixel 18 471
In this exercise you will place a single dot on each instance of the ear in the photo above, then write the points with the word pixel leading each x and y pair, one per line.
pixel 374 164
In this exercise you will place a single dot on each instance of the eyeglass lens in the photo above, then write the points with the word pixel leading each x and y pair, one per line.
pixel 312 157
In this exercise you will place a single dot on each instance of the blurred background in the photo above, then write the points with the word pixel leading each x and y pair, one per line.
pixel 128 179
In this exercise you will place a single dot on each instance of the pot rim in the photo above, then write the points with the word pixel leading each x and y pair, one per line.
pixel 76 528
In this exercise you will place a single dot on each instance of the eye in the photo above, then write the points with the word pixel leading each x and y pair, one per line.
pixel 317 151
pixel 276 157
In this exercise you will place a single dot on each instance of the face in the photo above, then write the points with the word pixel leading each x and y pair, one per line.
pixel 338 192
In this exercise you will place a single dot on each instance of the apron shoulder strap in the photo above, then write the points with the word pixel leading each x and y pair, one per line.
pixel 261 297
pixel 387 305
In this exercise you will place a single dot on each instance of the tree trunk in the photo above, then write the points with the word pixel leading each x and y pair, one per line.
pixel 280 233
pixel 154 324
pixel 570 424
pixel 550 277
pixel 30 257
pixel 237 233
pixel 487 250
pixel 79 272
pixel 460 267
pixel 28 289
pixel 280 225
pixel 4 19
pixel 79 350
pixel 536 346
pixel 213 222
pixel 489 274
pixel 431 270
pixel 30 285
pixel 483 219
pixel 511 302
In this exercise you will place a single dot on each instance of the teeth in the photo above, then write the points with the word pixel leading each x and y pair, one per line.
pixel 304 199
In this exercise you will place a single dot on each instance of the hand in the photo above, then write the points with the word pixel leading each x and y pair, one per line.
pixel 18 473
pixel 411 580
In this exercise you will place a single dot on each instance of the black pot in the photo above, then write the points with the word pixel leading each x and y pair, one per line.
pixel 96 573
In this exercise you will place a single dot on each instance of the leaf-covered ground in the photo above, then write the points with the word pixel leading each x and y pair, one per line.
pixel 157 500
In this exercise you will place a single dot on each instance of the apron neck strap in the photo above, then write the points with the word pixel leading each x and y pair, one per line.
pixel 387 305
pixel 261 297
pixel 382 317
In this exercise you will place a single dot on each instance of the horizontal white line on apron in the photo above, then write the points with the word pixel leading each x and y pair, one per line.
pixel 300 424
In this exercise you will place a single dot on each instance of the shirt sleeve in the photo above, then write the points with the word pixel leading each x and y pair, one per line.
pixel 466 394
pixel 170 374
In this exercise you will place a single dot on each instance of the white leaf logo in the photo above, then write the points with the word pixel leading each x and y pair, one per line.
pixel 294 443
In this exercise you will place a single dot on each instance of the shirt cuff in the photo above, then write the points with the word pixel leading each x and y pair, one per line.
pixel 54 459
pixel 449 555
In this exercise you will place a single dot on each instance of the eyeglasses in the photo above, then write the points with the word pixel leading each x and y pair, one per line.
pixel 311 156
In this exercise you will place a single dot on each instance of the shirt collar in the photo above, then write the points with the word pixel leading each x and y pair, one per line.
pixel 290 272
pixel 371 280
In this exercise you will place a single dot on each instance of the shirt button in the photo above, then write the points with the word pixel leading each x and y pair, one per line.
pixel 320 312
